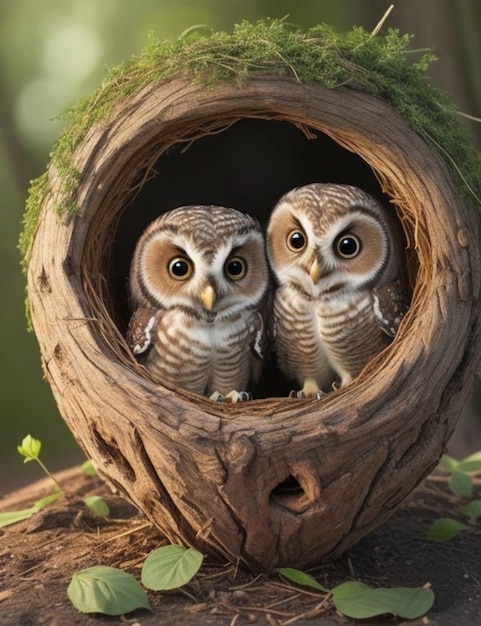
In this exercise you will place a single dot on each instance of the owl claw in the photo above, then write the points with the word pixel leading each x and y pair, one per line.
pixel 233 397
pixel 302 394
pixel 309 390
pixel 237 396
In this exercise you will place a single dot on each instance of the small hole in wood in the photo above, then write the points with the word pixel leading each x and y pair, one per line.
pixel 289 486
pixel 289 494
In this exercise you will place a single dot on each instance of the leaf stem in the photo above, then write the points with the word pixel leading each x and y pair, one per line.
pixel 58 487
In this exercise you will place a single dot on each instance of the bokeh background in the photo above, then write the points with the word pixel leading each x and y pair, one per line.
pixel 53 52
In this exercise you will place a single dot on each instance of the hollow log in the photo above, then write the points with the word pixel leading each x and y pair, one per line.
pixel 276 481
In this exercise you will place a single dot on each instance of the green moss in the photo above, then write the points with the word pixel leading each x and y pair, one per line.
pixel 36 193
pixel 382 66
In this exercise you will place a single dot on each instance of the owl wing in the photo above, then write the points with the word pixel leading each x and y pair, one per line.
pixel 258 333
pixel 390 305
pixel 139 332
pixel 262 327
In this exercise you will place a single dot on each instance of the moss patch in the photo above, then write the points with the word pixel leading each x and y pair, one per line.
pixel 382 66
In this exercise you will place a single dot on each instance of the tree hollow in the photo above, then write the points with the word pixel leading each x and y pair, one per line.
pixel 275 481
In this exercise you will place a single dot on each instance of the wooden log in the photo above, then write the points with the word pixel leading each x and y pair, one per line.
pixel 276 481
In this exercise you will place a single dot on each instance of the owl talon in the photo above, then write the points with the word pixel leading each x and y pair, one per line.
pixel 233 397
pixel 237 396
pixel 301 394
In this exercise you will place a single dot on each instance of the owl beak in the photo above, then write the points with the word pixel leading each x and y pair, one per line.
pixel 208 297
pixel 315 271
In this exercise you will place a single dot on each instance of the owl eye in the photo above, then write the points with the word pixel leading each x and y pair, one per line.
pixel 296 240
pixel 235 268
pixel 180 268
pixel 348 246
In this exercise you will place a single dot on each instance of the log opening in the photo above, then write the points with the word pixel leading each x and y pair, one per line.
pixel 246 163
pixel 247 166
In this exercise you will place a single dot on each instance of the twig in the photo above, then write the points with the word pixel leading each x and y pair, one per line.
pixel 470 117
pixel 130 531
pixel 254 609
pixel 311 613
pixel 234 619
pixel 246 585
pixel 380 24
pixel 283 601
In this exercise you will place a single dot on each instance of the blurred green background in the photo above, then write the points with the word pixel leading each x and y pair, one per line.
pixel 55 51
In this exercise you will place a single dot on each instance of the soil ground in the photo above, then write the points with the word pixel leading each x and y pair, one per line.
pixel 38 558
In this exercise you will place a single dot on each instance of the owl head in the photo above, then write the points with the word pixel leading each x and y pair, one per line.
pixel 328 239
pixel 209 260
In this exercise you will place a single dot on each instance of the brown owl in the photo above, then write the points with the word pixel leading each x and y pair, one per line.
pixel 338 260
pixel 198 283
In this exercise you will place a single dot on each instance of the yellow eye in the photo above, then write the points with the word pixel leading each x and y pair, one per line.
pixel 180 268
pixel 348 246
pixel 296 241
pixel 235 268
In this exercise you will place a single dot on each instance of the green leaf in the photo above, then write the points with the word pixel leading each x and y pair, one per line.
pixel 444 529
pixel 30 448
pixel 471 463
pixel 460 484
pixel 43 502
pixel 98 505
pixel 13 517
pixel 107 590
pixel 88 468
pixel 300 578
pixel 170 567
pixel 448 463
pixel 355 599
pixel 471 510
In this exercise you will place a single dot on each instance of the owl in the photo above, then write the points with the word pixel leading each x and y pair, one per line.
pixel 198 282
pixel 338 259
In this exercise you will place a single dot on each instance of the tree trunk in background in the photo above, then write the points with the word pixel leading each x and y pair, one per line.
pixel 451 30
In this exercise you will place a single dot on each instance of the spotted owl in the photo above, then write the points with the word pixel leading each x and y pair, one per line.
pixel 198 283
pixel 338 261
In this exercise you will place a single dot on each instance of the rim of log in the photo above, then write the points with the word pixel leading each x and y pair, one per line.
pixel 275 481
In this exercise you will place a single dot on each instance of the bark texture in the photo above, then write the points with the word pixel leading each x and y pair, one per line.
pixel 276 481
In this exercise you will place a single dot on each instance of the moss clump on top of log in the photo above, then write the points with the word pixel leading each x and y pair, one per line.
pixel 382 66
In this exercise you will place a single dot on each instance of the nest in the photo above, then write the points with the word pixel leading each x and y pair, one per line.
pixel 276 481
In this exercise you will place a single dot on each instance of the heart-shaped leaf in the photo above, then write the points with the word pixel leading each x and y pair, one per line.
pixel 444 529
pixel 355 599
pixel 107 590
pixel 98 505
pixel 471 510
pixel 460 484
pixel 170 567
